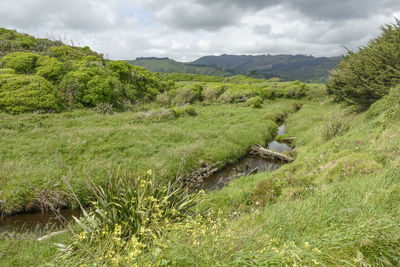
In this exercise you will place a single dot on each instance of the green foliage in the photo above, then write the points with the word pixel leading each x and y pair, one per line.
pixel 35 148
pixel 7 71
pixel 185 110
pixel 21 62
pixel 50 68
pixel 133 206
pixel 335 124
pixel 12 41
pixel 187 95
pixel 388 106
pixel 64 52
pixel 104 108
pixel 21 93
pixel 365 76
pixel 73 86
pixel 254 102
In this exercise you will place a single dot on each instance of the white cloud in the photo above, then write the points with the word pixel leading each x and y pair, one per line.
pixel 187 29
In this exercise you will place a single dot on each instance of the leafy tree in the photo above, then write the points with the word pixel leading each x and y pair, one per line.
pixel 365 76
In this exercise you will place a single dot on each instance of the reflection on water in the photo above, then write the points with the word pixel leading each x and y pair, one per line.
pixel 32 220
pixel 247 165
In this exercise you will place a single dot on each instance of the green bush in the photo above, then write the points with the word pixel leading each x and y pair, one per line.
pixel 21 62
pixel 50 68
pixel 25 93
pixel 185 110
pixel 388 106
pixel 73 86
pixel 163 99
pixel 212 92
pixel 365 76
pixel 187 95
pixel 334 125
pixel 102 90
pixel 254 102
pixel 137 206
pixel 7 71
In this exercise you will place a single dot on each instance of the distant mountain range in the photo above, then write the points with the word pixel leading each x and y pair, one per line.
pixel 286 67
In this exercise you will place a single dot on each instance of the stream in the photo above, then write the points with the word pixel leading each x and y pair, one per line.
pixel 243 167
pixel 247 165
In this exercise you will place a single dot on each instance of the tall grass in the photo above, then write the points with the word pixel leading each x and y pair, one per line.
pixel 129 215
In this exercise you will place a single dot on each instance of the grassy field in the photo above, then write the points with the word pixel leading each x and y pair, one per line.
pixel 36 151
pixel 337 204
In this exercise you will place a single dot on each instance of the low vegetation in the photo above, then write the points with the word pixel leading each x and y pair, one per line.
pixel 336 204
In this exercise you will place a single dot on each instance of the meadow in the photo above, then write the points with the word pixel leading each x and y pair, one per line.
pixel 38 150
pixel 336 204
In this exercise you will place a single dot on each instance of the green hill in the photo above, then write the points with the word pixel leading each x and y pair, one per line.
pixel 286 67
pixel 167 65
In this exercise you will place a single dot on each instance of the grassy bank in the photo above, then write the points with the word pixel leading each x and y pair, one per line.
pixel 36 151
pixel 337 205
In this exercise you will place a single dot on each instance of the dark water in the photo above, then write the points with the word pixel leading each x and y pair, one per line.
pixel 247 165
pixel 38 219
pixel 279 147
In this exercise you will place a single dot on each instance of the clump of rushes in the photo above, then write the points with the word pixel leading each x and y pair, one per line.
pixel 129 214
pixel 334 125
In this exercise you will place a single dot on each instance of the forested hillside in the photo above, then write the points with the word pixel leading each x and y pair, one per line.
pixel 285 67
pixel 167 65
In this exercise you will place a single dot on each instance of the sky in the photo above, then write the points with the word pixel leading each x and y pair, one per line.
pixel 185 30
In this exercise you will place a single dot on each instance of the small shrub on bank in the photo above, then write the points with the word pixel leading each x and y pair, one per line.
pixel 188 95
pixel 130 213
pixel 388 106
pixel 186 110
pixel 163 99
pixel 334 125
pixel 104 108
pixel 254 102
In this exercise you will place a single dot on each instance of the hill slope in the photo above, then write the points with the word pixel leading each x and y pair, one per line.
pixel 286 67
pixel 167 65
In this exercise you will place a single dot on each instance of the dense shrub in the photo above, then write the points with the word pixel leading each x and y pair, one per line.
pixel 50 68
pixel 21 62
pixel 65 52
pixel 188 95
pixel 254 102
pixel 163 99
pixel 24 93
pixel 73 86
pixel 7 71
pixel 388 106
pixel 185 110
pixel 365 76
pixel 212 92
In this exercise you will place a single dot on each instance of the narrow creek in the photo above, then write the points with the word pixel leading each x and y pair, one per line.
pixel 247 165
pixel 243 167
